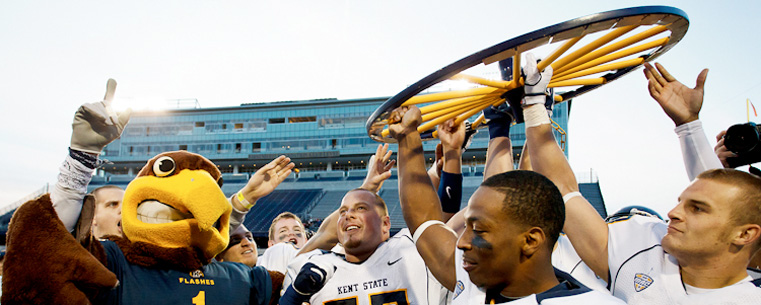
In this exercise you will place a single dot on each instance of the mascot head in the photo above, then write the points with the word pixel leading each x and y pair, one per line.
pixel 176 201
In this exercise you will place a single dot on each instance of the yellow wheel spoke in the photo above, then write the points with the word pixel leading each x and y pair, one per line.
pixel 560 63
pixel 559 51
pixel 453 103
pixel 482 81
pixel 613 47
pixel 602 68
pixel 446 114
pixel 433 97
pixel 465 115
pixel 444 111
pixel 617 55
pixel 578 82
pixel 517 69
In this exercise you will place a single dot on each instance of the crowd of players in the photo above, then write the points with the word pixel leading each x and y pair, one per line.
pixel 526 235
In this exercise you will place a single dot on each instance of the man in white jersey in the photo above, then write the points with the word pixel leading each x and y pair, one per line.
pixel 701 255
pixel 511 224
pixel 376 269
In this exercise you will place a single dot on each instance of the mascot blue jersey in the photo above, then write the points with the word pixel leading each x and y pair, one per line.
pixel 216 283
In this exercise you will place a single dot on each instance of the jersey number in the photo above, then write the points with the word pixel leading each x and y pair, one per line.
pixel 200 299
pixel 398 297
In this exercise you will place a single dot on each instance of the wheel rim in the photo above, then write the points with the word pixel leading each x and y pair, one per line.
pixel 585 53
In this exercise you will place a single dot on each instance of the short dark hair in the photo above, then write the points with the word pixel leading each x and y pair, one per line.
pixel 532 200
pixel 378 200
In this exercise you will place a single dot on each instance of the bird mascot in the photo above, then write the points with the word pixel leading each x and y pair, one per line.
pixel 175 219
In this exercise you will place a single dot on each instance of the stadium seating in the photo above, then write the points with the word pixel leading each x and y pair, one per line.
pixel 260 217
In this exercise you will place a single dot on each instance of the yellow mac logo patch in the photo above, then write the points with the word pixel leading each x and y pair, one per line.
pixel 642 281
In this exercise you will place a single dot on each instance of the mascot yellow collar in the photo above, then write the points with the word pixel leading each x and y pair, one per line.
pixel 176 202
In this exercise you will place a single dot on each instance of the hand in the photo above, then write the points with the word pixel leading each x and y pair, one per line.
pixel 312 277
pixel 535 83
pixel 721 151
pixel 96 124
pixel 434 173
pixel 452 136
pixel 264 181
pixel 378 168
pixel 404 120
pixel 680 103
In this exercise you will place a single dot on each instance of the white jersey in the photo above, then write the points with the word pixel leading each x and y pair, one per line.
pixel 394 273
pixel 277 257
pixel 565 258
pixel 641 272
pixel 569 291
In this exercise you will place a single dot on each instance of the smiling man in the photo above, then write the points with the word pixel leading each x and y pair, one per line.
pixel 374 268
pixel 241 248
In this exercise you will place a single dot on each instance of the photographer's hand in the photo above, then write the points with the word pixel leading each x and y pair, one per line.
pixel 681 104
pixel 721 151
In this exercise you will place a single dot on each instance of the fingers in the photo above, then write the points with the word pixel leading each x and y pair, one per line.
pixel 397 115
pixel 530 63
pixel 110 90
pixel 389 166
pixel 665 73
pixel 654 88
pixel 720 136
pixel 652 74
pixel 701 79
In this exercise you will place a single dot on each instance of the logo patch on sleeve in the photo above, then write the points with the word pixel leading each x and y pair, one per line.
pixel 459 287
pixel 642 281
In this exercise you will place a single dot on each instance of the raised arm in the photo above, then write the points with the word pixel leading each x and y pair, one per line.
pixel 682 104
pixel 326 236
pixel 261 184
pixel 499 156
pixel 378 169
pixel 450 185
pixel 418 199
pixel 94 126
pixel 584 227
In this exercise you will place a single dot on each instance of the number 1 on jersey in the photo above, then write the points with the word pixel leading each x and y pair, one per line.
pixel 200 299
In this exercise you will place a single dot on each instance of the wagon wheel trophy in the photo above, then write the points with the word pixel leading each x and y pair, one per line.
pixel 615 43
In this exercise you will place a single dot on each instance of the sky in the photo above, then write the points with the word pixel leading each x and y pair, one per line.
pixel 56 55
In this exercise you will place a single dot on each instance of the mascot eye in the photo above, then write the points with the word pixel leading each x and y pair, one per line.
pixel 164 166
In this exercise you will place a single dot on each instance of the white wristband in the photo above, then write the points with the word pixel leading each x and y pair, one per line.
pixel 420 229
pixel 570 195
pixel 535 115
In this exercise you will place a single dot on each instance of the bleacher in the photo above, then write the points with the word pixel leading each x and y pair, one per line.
pixel 260 217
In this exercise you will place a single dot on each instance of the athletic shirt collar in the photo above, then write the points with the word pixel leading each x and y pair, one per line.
pixel 568 286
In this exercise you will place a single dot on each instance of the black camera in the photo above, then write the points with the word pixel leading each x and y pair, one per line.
pixel 744 140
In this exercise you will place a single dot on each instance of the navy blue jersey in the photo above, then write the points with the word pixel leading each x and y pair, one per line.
pixel 215 283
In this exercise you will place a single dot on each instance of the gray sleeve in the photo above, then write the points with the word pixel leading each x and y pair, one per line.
pixel 70 190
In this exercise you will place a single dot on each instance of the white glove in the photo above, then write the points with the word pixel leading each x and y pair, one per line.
pixel 535 83
pixel 96 124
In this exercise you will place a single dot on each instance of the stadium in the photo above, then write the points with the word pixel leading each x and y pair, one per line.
pixel 325 138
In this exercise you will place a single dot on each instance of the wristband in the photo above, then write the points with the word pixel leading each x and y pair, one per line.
pixel 535 115
pixel 570 196
pixel 450 192
pixel 243 201
pixel 420 229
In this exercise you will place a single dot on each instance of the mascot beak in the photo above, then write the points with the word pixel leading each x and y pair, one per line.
pixel 187 209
